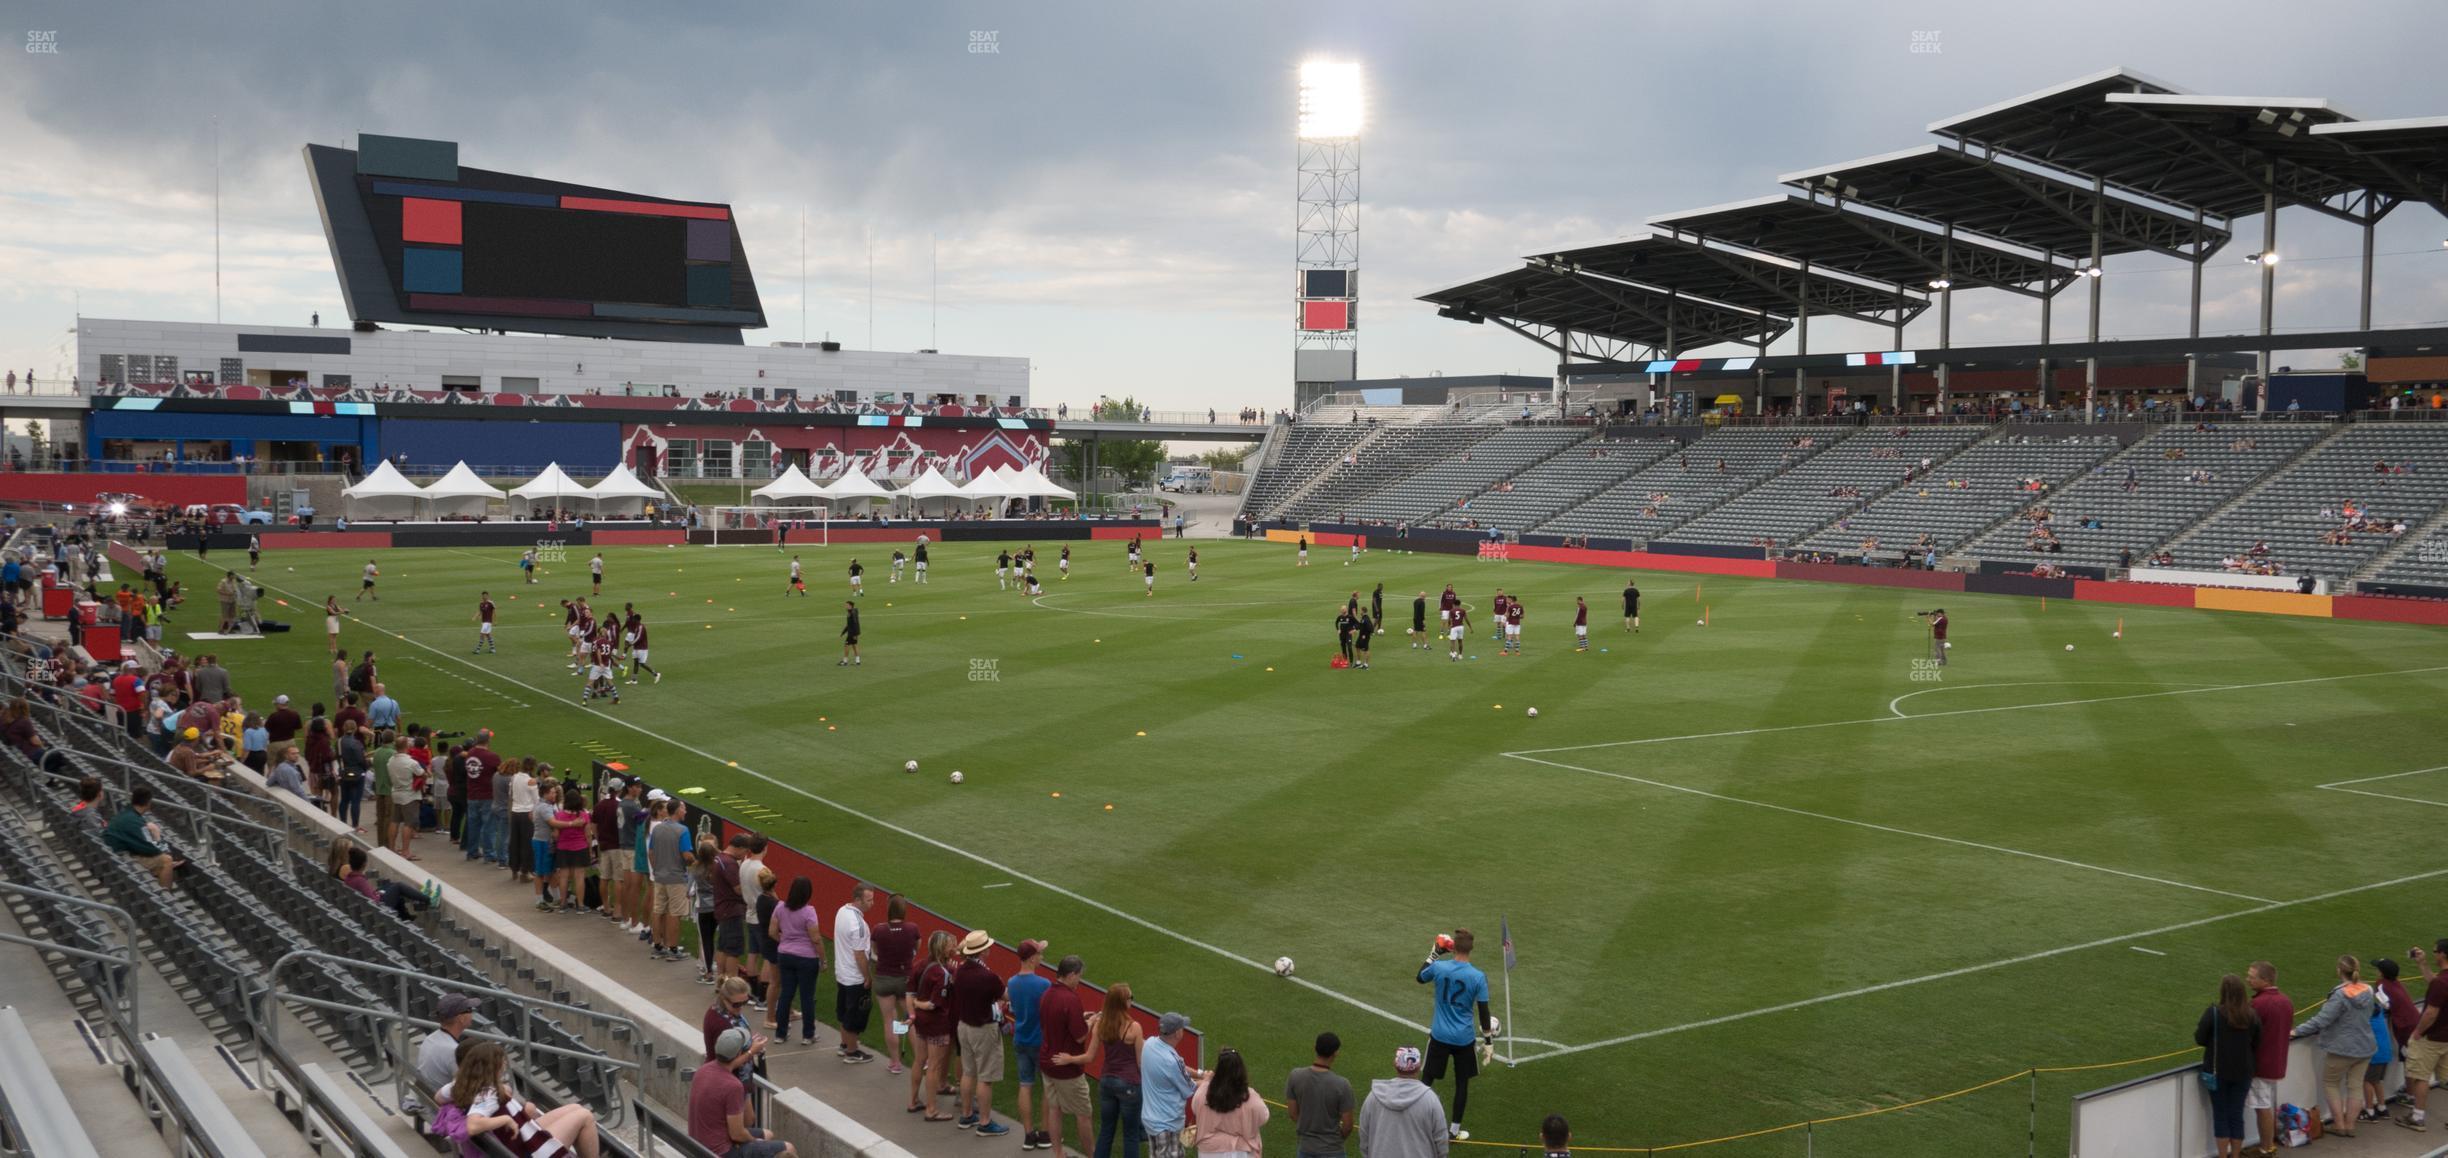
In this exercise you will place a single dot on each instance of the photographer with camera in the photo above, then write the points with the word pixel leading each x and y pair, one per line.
pixel 1937 618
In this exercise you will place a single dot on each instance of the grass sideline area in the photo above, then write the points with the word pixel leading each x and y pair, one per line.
pixel 1759 871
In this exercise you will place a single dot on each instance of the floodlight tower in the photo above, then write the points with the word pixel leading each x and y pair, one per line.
pixel 1326 253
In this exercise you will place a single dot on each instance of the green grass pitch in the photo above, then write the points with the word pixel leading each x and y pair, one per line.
pixel 1758 871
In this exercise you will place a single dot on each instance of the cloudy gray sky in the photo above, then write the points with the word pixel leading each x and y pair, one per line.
pixel 1111 192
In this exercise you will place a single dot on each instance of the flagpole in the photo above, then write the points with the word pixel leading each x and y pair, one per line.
pixel 1507 956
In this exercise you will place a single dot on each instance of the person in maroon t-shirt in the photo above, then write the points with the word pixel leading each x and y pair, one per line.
pixel 2427 1049
pixel 895 945
pixel 1060 1058
pixel 976 995
pixel 283 724
pixel 730 908
pixel 2277 1013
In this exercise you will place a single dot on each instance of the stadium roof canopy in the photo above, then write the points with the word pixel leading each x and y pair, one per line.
pixel 2222 154
pixel 1769 283
pixel 1867 245
pixel 2021 194
pixel 1612 310
pixel 2011 203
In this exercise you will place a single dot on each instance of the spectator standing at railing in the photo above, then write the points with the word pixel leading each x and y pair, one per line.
pixel 2228 1033
pixel 2343 1030
pixel 2426 1058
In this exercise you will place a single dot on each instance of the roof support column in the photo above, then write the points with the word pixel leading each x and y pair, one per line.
pixel 1802 339
pixel 2365 315
pixel 2047 382
pixel 2201 254
pixel 1946 307
pixel 2099 197
pixel 1895 375
pixel 2269 277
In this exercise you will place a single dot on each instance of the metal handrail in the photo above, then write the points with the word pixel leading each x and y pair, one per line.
pixel 119 988
pixel 265 1028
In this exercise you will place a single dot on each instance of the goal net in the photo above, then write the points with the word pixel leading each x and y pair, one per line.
pixel 745 526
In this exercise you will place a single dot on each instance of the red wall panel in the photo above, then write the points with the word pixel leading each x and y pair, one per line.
pixel 176 489
pixel 1872 576
pixel 2390 609
pixel 1688 564
pixel 353 540
pixel 638 538
pixel 2149 594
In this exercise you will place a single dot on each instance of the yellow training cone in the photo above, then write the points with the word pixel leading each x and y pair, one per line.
pixel 1143 733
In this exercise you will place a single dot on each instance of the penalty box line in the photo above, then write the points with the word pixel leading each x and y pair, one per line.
pixel 922 838
pixel 1983 967
pixel 1887 828
pixel 2341 786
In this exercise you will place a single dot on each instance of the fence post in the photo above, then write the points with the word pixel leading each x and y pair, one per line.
pixel 2031 1130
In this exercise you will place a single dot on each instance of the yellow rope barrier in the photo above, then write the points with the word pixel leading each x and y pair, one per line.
pixel 1816 1122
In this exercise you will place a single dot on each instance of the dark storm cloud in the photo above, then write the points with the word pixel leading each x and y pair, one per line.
pixel 1099 154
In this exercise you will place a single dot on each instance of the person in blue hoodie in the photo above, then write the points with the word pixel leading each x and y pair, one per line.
pixel 2343 1031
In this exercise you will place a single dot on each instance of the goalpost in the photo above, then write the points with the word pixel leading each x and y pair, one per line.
pixel 766 525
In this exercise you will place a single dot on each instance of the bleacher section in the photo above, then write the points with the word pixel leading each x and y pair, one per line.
pixel 1545 490
pixel 228 940
pixel 2165 499
pixel 2389 473
pixel 1305 452
pixel 1686 484
pixel 1456 477
pixel 1392 454
pixel 1964 495
pixel 1797 501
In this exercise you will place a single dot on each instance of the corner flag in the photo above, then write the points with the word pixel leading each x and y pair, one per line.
pixel 1504 932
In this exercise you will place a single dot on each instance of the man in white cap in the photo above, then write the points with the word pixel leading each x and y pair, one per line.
pixel 720 1116
pixel 1402 1118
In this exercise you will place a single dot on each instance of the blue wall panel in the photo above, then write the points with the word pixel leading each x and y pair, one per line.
pixel 580 447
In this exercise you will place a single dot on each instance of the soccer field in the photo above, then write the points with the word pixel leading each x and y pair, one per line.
pixel 1757 871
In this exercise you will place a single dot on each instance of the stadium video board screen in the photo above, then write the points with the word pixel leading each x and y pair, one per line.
pixel 419 239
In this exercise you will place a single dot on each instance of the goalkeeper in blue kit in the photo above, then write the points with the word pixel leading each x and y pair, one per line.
pixel 1461 1027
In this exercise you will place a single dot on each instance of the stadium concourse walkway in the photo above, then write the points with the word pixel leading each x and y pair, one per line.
pixel 869 1094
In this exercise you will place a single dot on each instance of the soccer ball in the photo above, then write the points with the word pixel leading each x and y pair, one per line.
pixel 1534 713
pixel 2116 635
pixel 2069 647
pixel 912 766
pixel 1495 1026
pixel 1283 966
pixel 1701 622
pixel 956 776
pixel 1444 942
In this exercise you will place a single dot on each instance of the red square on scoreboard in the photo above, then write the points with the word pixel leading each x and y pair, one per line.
pixel 1325 315
pixel 426 220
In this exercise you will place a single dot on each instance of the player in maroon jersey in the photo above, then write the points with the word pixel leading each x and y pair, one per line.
pixel 484 622
pixel 1512 626
pixel 637 650
pixel 604 660
pixel 1580 624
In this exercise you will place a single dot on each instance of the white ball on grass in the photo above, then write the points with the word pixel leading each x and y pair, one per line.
pixel 912 766
pixel 1283 966
pixel 1534 713
pixel 956 776
pixel 2069 647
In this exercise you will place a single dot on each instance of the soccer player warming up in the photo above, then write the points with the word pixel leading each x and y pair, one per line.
pixel 484 622
pixel 637 651
pixel 900 562
pixel 858 578
pixel 1194 564
pixel 1631 606
pixel 850 634
pixel 798 579
pixel 1003 571
pixel 603 659
pixel 1938 628
pixel 1580 624
pixel 1150 569
pixel 1512 626
pixel 1064 564
pixel 1419 621
pixel 918 560
pixel 1458 631
pixel 366 587
pixel 1460 1020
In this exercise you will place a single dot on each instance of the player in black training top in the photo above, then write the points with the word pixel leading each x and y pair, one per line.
pixel 1361 631
pixel 849 634
pixel 1419 621
pixel 1346 623
pixel 1631 606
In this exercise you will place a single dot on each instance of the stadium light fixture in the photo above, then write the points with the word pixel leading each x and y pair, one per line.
pixel 1330 105
pixel 2270 258
pixel 1939 283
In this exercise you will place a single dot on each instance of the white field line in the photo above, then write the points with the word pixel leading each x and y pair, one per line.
pixel 449 674
pixel 922 838
pixel 2194 691
pixel 2389 776
pixel 2340 786
pixel 1983 967
pixel 2152 952
pixel 1875 827
pixel 1895 706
